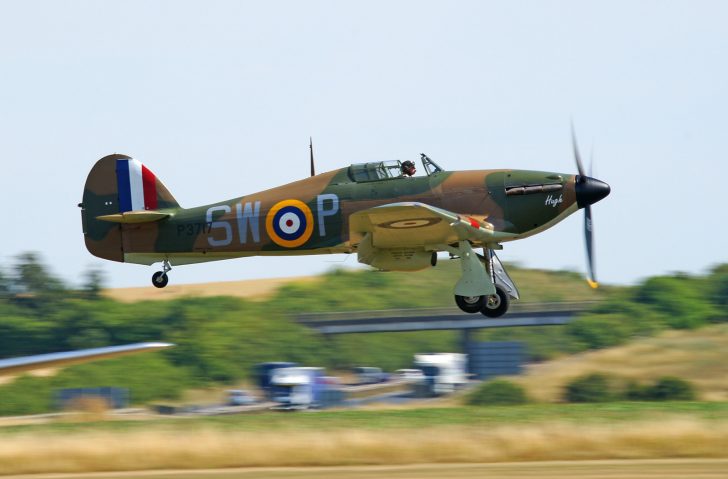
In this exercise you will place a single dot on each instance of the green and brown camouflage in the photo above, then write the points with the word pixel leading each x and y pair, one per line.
pixel 392 220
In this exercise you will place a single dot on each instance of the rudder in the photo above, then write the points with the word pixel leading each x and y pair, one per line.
pixel 118 184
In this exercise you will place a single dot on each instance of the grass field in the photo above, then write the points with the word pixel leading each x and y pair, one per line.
pixel 400 418
pixel 255 289
pixel 664 469
pixel 381 437
pixel 215 448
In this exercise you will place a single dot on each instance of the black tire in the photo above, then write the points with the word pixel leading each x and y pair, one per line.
pixel 497 304
pixel 160 279
pixel 470 304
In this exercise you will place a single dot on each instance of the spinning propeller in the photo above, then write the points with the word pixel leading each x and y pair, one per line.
pixel 588 191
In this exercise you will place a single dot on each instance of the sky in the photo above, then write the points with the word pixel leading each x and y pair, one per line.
pixel 219 99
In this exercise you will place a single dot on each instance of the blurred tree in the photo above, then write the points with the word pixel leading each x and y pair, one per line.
pixel 682 300
pixel 719 291
pixel 597 331
pixel 4 285
pixel 94 280
pixel 33 277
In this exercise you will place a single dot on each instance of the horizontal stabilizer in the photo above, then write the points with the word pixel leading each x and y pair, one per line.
pixel 131 217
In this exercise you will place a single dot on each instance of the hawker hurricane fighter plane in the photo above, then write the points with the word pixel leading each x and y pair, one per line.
pixel 392 218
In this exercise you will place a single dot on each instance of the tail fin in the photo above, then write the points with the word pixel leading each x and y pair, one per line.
pixel 118 184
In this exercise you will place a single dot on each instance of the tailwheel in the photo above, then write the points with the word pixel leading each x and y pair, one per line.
pixel 496 305
pixel 160 279
pixel 469 304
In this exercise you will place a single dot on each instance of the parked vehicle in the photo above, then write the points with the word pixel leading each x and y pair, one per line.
pixel 370 375
pixel 238 397
pixel 263 373
pixel 444 372
pixel 415 375
pixel 298 387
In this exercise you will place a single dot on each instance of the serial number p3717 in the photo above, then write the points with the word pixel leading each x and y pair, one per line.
pixel 190 229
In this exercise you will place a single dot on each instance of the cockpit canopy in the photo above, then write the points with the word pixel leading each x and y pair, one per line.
pixel 385 170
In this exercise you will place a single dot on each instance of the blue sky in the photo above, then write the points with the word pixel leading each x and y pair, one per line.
pixel 219 98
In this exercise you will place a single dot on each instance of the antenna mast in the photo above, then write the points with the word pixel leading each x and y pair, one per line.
pixel 310 146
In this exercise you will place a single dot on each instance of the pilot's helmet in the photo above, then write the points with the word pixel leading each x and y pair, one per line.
pixel 408 168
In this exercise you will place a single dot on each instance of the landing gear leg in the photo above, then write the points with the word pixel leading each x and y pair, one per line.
pixel 160 278
pixel 474 285
pixel 496 305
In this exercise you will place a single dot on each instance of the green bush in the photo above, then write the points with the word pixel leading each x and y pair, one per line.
pixel 26 395
pixel 682 300
pixel 667 388
pixel 590 388
pixel 670 388
pixel 598 331
pixel 636 391
pixel 498 392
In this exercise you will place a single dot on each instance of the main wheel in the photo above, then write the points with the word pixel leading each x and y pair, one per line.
pixel 496 304
pixel 469 304
pixel 160 279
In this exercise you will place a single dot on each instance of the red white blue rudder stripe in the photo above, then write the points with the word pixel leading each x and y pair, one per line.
pixel 137 186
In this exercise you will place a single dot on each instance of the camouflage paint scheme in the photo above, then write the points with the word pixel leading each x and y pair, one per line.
pixel 328 213
pixel 237 227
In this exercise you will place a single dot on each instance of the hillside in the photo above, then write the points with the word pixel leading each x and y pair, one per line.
pixel 432 287
pixel 252 289
pixel 219 339
pixel 700 356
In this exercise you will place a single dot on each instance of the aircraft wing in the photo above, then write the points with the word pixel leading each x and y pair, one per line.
pixel 42 361
pixel 418 224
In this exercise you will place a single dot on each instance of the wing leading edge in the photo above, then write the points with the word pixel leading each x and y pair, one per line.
pixel 52 360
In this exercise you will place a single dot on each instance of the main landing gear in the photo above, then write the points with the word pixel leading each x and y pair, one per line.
pixel 160 278
pixel 492 305
pixel 493 285
pixel 496 304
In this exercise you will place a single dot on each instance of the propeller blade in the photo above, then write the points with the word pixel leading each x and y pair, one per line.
pixel 588 225
pixel 577 156
pixel 589 238
pixel 591 161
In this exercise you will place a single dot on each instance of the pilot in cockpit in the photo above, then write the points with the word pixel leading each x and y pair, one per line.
pixel 408 168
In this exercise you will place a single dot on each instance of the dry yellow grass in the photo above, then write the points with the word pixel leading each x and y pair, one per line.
pixel 159 449
pixel 699 356
pixel 255 289
pixel 600 469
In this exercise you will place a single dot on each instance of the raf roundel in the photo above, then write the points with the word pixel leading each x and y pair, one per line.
pixel 289 223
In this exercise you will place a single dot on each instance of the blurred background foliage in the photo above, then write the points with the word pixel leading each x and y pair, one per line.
pixel 219 339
